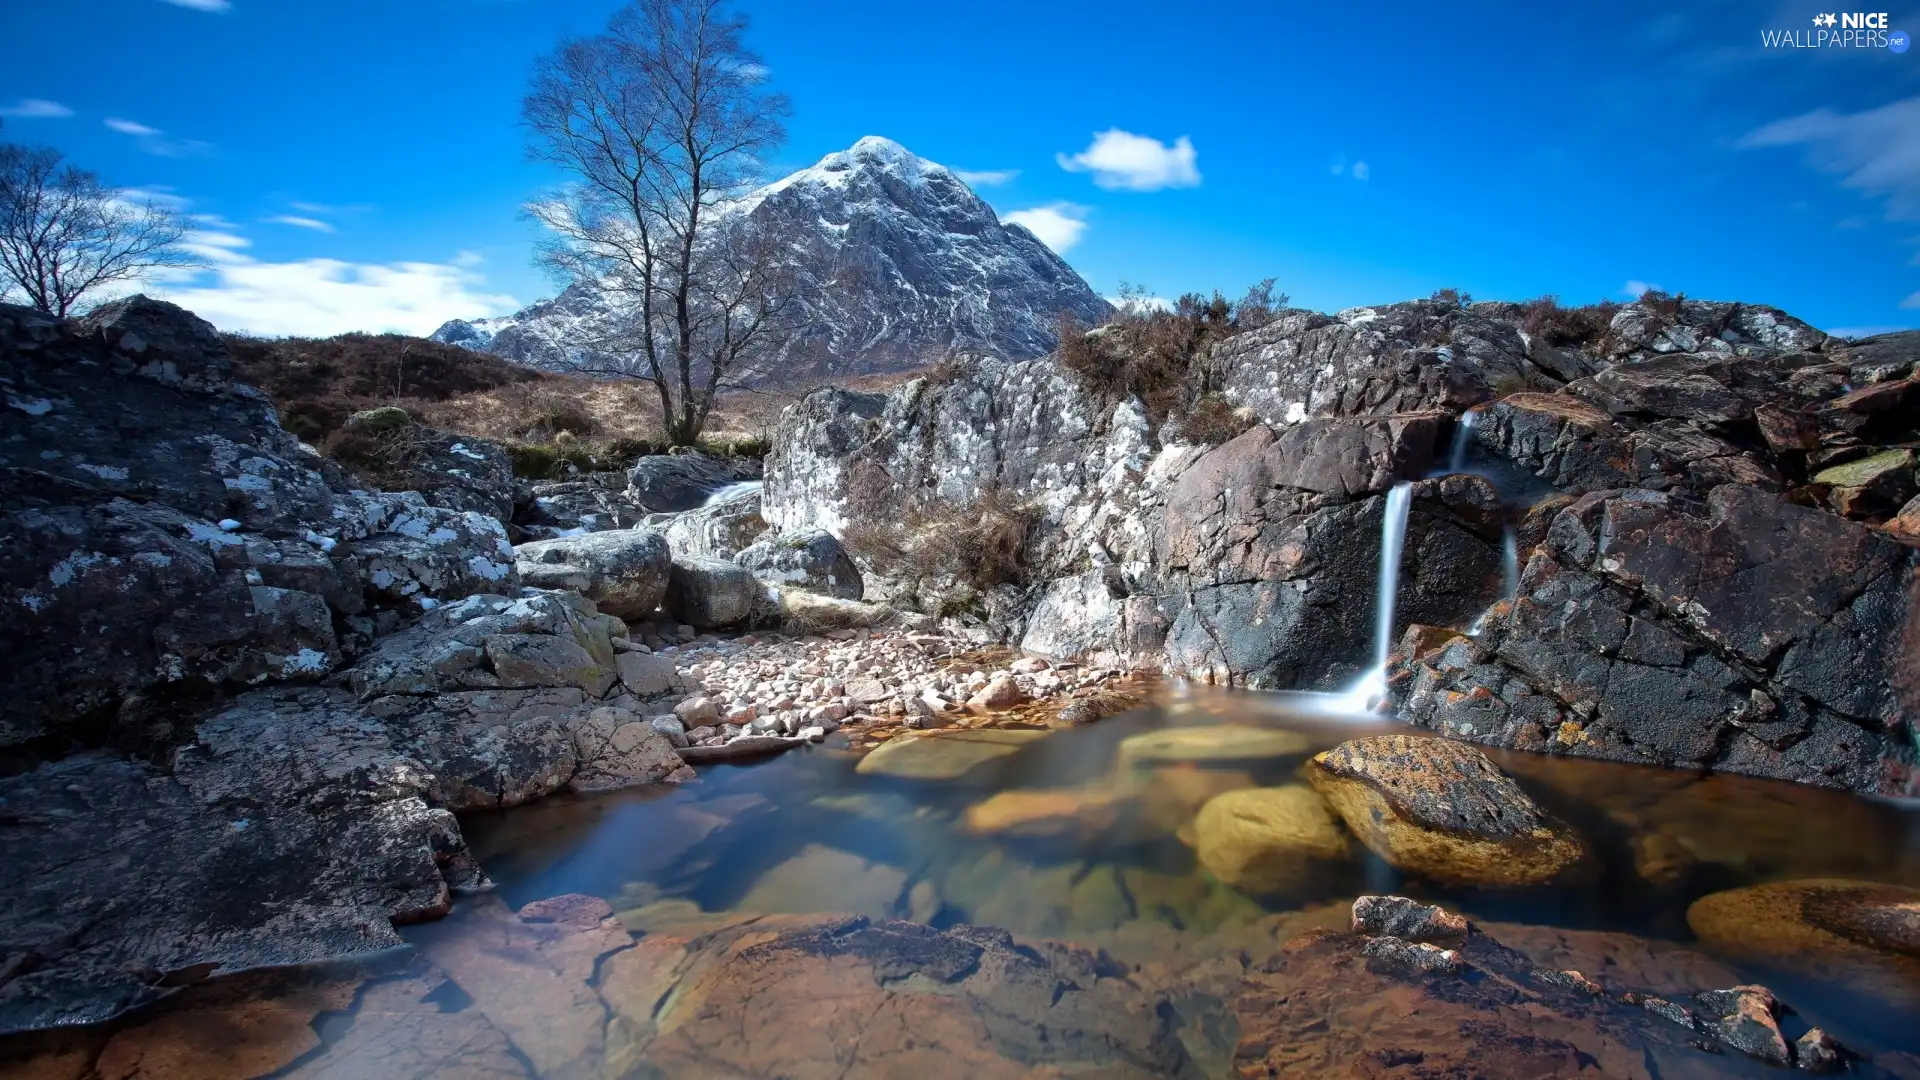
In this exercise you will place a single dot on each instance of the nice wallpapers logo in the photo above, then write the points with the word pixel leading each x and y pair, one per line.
pixel 1844 30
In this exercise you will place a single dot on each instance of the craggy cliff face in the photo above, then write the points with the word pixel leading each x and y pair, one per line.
pixel 1711 559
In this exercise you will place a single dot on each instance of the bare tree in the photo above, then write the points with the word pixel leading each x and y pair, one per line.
pixel 64 234
pixel 663 122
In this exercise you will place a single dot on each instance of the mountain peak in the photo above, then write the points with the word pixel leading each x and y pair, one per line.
pixel 898 261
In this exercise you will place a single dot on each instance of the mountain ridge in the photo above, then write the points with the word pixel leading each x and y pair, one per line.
pixel 899 262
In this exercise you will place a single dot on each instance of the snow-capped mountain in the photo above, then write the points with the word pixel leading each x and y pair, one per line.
pixel 899 261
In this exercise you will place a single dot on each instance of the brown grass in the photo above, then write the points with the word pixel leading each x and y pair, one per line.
pixel 981 544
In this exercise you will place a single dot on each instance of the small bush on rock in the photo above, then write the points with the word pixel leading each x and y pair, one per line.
pixel 386 454
pixel 976 545
pixel 1566 327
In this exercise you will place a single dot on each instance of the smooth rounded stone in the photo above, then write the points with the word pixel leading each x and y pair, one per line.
pixel 624 572
pixel 1219 744
pixel 696 712
pixel 811 559
pixel 1000 692
pixel 672 728
pixel 1441 809
pixel 1832 928
pixel 943 757
pixel 704 593
pixel 1268 839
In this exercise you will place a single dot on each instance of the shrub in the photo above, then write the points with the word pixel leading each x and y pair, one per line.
pixel 1213 420
pixel 754 446
pixel 1564 327
pixel 978 545
pixel 388 457
pixel 1665 305
pixel 1451 298
pixel 1157 352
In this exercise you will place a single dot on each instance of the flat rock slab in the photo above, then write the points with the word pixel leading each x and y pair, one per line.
pixel 1217 745
pixel 123 884
pixel 946 756
pixel 746 746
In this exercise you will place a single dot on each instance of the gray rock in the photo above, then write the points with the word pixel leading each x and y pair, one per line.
pixel 682 481
pixel 646 675
pixel 161 531
pixel 624 573
pixel 597 502
pixel 705 593
pixel 811 559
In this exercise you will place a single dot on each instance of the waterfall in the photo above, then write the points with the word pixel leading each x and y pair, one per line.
pixel 1462 439
pixel 733 491
pixel 1366 694
pixel 1509 578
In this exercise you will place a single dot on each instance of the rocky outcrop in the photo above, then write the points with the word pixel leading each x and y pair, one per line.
pixel 300 823
pixel 1705 502
pixel 705 593
pixel 162 535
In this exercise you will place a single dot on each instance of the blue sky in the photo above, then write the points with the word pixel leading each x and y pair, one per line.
pixel 357 164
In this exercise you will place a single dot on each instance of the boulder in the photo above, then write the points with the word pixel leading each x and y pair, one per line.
pixel 720 527
pixel 1876 485
pixel 1440 809
pixel 625 573
pixel 1265 840
pixel 944 756
pixel 671 483
pixel 646 675
pixel 810 559
pixel 704 593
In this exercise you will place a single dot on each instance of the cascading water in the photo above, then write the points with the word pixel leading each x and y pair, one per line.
pixel 1366 694
pixel 1462 439
pixel 733 491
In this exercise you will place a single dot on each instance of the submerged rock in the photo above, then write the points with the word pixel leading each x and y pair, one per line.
pixel 1220 744
pixel 944 756
pixel 1263 840
pixel 1859 932
pixel 1441 810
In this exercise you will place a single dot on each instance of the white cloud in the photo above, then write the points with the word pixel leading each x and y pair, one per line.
pixel 153 140
pixel 1058 225
pixel 1121 160
pixel 204 5
pixel 1361 171
pixel 469 259
pixel 1911 302
pixel 1634 287
pixel 321 297
pixel 302 223
pixel 312 207
pixel 985 177
pixel 36 109
pixel 1875 150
